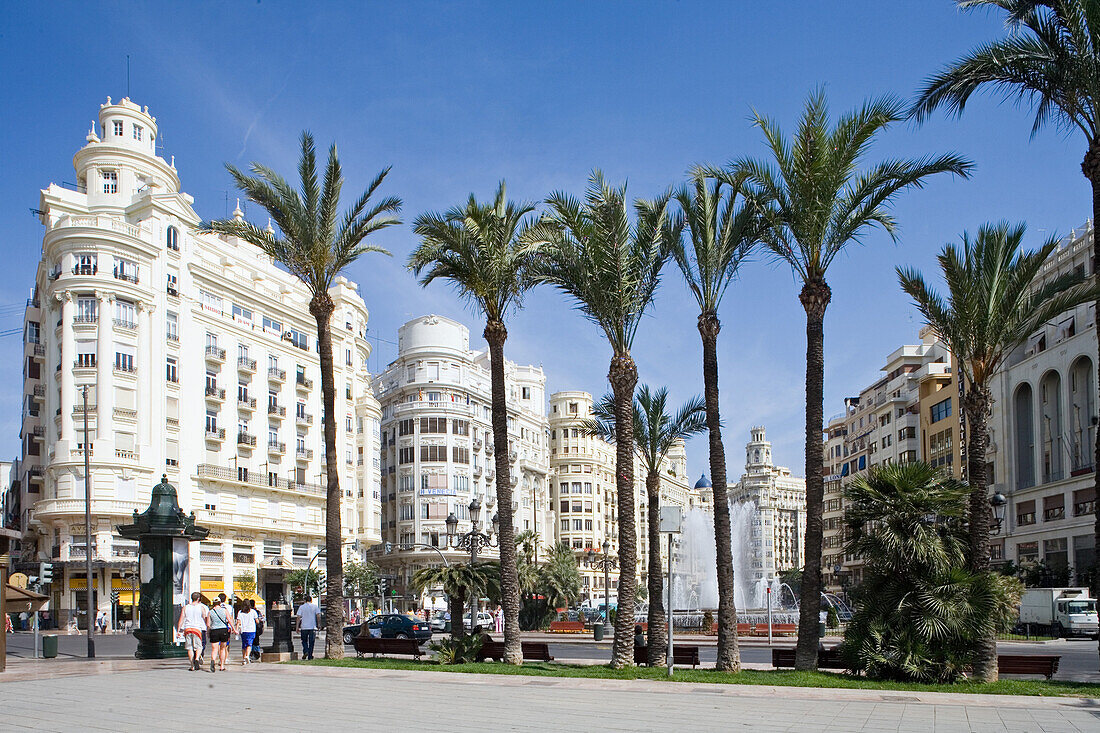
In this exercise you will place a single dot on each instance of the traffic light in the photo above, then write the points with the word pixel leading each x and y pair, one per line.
pixel 45 572
pixel 389 547
pixel 382 586
pixel 114 597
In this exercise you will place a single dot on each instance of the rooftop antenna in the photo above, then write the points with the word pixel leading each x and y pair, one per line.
pixel 127 75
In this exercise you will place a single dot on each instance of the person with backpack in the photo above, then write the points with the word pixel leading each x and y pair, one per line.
pixel 247 619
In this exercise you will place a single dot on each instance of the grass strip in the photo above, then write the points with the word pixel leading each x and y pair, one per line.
pixel 778 678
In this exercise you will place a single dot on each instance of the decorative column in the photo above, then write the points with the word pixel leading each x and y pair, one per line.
pixel 105 374
pixel 145 367
pixel 67 358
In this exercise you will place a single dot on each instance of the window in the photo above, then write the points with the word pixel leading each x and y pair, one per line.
pixel 125 313
pixel 460 454
pixel 172 237
pixel 433 425
pixel 565 525
pixel 525 393
pixel 110 181
pixel 118 128
pixel 578 525
pixel 124 361
pixel 940 410
pixel 406 427
pixel 211 421
pixel 85 355
pixel 138 131
pixel 347 357
pixel 460 427
pixel 406 455
pixel 171 326
pixel 273 326
pixel 299 339
pixel 347 424
pixel 240 313
pixel 273 548
pixel 86 308
pixel 211 302
pixel 433 453
pixel 171 374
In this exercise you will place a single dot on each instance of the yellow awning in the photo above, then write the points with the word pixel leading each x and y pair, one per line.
pixel 129 598
pixel 249 596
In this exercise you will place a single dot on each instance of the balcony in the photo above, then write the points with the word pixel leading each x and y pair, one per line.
pixel 302 382
pixel 513 456
pixel 85 270
pixel 38 431
pixel 275 374
pixel 126 455
pixel 478 470
pixel 274 447
pixel 39 352
pixel 244 402
pixel 215 393
pixel 1080 508
pixel 84 361
pixel 1054 513
pixel 1023 520
pixel 173 337
pixel 80 318
pixel 35 473
pixel 244 364
pixel 488 449
pixel 123 368
pixel 477 444
pixel 225 473
pixel 303 418
pixel 246 439
pixel 213 433
pixel 126 324
pixel 130 277
pixel 215 354
pixel 304 454
pixel 276 410
pixel 39 390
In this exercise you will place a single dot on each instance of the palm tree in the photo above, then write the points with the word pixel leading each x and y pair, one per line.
pixel 316 247
pixel 722 235
pixel 460 582
pixel 480 250
pixel 919 609
pixel 996 300
pixel 1051 60
pixel 559 579
pixel 610 266
pixel 655 433
pixel 813 202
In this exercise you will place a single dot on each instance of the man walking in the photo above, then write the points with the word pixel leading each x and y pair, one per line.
pixel 194 620
pixel 306 622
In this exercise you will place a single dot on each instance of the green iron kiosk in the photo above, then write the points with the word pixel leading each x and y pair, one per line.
pixel 163 532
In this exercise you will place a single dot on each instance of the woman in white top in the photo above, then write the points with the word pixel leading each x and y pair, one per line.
pixel 246 626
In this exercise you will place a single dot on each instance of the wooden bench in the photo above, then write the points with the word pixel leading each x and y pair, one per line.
pixel 370 645
pixel 680 655
pixel 777 629
pixel 568 627
pixel 1043 664
pixel 742 629
pixel 826 658
pixel 533 651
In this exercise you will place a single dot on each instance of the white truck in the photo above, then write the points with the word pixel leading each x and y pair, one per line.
pixel 1067 611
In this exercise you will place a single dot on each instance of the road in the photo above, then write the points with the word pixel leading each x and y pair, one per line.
pixel 1079 656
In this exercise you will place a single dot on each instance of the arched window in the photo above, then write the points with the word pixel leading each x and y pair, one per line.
pixel 1023 411
pixel 1050 427
pixel 1082 414
pixel 173 239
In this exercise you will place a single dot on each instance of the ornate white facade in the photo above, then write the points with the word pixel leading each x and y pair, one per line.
pixel 199 356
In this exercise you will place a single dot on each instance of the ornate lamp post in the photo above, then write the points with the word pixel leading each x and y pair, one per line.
pixel 606 562
pixel 473 541
pixel 998 502
pixel 162 532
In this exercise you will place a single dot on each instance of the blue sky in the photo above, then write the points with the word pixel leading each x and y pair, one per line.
pixel 456 96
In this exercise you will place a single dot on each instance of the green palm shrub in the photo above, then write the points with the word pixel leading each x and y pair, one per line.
pixel 920 610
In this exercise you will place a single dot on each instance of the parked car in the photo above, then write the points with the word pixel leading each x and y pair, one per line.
pixel 438 621
pixel 485 621
pixel 391 626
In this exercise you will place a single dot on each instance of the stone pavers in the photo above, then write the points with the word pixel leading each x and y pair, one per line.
pixel 286 697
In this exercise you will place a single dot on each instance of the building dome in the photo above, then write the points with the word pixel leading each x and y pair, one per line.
pixel 703 483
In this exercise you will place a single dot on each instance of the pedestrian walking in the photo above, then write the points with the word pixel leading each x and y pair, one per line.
pixel 259 630
pixel 194 620
pixel 221 625
pixel 305 621
pixel 247 620
pixel 498 620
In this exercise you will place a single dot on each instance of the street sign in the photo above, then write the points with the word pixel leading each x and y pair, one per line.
pixel 19 580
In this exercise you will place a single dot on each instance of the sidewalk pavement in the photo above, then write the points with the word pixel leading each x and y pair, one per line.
pixel 298 697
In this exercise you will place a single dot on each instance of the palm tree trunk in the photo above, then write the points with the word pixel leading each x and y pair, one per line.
pixel 623 375
pixel 815 298
pixel 656 639
pixel 496 334
pixel 1090 166
pixel 456 605
pixel 321 306
pixel 729 653
pixel 976 403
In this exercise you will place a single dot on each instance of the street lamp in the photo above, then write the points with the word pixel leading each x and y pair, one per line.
pixel 999 503
pixel 474 541
pixel 606 562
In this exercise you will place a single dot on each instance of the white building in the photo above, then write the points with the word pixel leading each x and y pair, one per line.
pixel 438 448
pixel 1043 433
pixel 780 499
pixel 200 363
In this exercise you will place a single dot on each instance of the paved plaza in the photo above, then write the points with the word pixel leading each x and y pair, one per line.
pixel 132 696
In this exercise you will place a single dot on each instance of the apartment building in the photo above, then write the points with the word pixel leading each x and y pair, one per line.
pixel 185 355
pixel 1043 433
pixel 438 449
pixel 584 496
pixel 780 499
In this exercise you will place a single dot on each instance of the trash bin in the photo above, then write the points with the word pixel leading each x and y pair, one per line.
pixel 597 632
pixel 49 646
pixel 821 630
pixel 447 627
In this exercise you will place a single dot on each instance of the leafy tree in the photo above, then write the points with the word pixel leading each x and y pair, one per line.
pixel 996 299
pixel 920 610
pixel 1051 61
pixel 461 582
pixel 360 578
pixel 609 263
pixel 721 233
pixel 245 582
pixel 481 250
pixel 309 581
pixel 315 247
pixel 655 433
pixel 813 202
